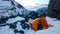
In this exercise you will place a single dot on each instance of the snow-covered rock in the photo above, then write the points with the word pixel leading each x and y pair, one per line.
pixel 12 20
pixel 11 8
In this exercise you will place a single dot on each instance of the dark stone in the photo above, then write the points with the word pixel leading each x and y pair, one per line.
pixel 16 31
pixel 42 12
pixel 57 14
pixel 33 15
pixel 25 26
pixel 26 19
pixel 12 16
pixel 2 25
pixel 21 31
pixel 12 3
pixel 3 20
pixel 42 15
pixel 50 8
pixel 22 22
pixel 15 23
pixel 54 9
pixel 5 0
pixel 20 6
pixel 57 5
pixel 13 8
pixel 12 26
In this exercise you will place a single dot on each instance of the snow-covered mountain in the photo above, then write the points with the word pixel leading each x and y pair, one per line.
pixel 10 7
pixel 42 10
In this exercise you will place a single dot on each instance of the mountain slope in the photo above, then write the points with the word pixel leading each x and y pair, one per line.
pixel 11 8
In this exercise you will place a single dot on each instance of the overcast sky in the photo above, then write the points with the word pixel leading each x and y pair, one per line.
pixel 32 2
pixel 29 4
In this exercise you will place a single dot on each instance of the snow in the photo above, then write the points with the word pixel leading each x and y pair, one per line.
pixel 52 30
pixel 30 21
pixel 2 3
pixel 6 30
pixel 19 26
pixel 8 9
pixel 12 20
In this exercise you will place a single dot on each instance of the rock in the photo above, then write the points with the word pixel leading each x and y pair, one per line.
pixel 26 19
pixel 16 31
pixel 25 26
pixel 12 3
pixel 22 22
pixel 12 26
pixel 20 6
pixel 5 0
pixel 33 15
pixel 42 12
pixel 12 8
pixel 21 31
pixel 54 9
pixel 3 20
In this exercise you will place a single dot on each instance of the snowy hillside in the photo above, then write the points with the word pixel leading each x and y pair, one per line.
pixel 52 30
pixel 11 8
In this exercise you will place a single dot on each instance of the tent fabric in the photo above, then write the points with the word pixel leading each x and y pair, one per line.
pixel 43 22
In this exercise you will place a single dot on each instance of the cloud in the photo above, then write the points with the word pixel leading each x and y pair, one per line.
pixel 32 2
pixel 26 2
pixel 29 4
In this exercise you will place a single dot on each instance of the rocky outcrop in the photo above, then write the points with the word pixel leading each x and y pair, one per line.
pixel 54 9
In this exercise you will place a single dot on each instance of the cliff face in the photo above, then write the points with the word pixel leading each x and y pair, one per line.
pixel 54 9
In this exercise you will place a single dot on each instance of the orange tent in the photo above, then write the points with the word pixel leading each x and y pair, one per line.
pixel 43 22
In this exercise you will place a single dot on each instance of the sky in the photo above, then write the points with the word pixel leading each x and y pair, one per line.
pixel 30 4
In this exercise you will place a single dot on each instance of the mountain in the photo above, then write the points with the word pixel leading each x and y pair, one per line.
pixel 42 10
pixel 11 8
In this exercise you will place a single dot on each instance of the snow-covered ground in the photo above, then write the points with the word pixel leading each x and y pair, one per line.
pixel 52 30
pixel 6 30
